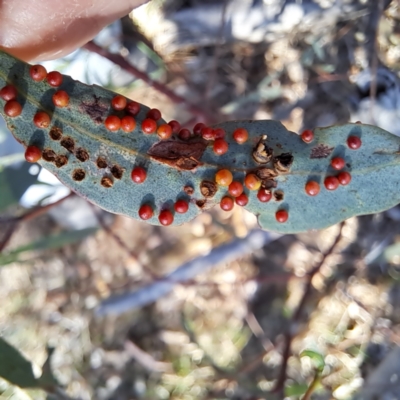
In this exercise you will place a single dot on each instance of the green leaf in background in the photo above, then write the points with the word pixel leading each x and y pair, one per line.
pixel 15 368
pixel 296 389
pixel 96 163
pixel 14 181
pixel 46 243
pixel 316 357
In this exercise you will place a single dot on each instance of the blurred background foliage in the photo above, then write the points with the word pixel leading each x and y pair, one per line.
pixel 213 309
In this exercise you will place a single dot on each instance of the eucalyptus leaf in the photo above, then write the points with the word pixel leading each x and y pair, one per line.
pixel 96 163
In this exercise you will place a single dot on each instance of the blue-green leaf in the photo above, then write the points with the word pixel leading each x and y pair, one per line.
pixel 97 163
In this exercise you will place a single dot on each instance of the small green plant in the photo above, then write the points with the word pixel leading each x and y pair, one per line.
pixel 125 158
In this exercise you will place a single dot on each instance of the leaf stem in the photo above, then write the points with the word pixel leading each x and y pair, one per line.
pixel 123 63
pixel 312 387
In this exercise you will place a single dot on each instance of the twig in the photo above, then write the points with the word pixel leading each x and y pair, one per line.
pixel 213 74
pixel 123 63
pixel 145 359
pixel 312 387
pixel 258 331
pixel 373 57
pixel 296 315
pixel 117 305
pixel 36 211
pixel 31 214
pixel 7 236
pixel 253 364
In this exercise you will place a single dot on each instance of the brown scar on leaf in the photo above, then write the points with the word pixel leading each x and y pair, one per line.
pixel 205 204
pixel 266 173
pixel 283 162
pixel 261 152
pixel 81 154
pixel 188 190
pixel 68 143
pixel 78 175
pixel 201 203
pixel 101 162
pixel 267 176
pixel 180 155
pixel 208 188
pixel 48 155
pixel 61 160
pixel 55 133
pixel 387 153
pixel 278 195
pixel 321 151
pixel 106 181
pixel 96 109
pixel 117 171
pixel 269 184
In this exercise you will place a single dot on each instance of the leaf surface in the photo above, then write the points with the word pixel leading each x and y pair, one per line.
pixel 97 163
pixel 15 368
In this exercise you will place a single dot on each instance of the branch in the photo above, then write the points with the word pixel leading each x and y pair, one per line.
pixel 124 64
pixel 237 248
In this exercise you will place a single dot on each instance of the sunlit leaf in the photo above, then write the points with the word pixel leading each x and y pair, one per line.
pixel 296 389
pixel 97 163
pixel 15 368
pixel 317 358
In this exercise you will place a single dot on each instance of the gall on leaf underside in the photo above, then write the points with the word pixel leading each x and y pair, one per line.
pixel 96 162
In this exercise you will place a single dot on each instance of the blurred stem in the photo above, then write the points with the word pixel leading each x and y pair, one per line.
pixel 220 41
pixel 123 63
pixel 312 387
pixel 373 52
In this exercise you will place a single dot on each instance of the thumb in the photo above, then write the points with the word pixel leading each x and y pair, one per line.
pixel 48 29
